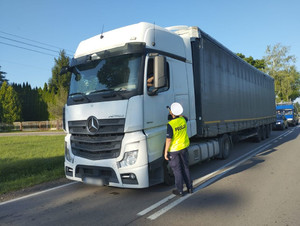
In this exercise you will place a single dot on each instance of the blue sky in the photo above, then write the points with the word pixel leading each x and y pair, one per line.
pixel 242 26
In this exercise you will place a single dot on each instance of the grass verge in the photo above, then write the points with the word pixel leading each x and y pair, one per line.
pixel 29 160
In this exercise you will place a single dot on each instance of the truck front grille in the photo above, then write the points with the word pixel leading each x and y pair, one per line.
pixel 104 144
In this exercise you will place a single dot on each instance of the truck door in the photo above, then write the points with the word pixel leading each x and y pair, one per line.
pixel 155 111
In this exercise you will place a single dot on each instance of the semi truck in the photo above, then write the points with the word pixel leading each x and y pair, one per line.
pixel 121 82
pixel 289 110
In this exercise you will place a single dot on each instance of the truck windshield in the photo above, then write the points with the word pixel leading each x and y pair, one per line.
pixel 288 112
pixel 117 74
pixel 285 112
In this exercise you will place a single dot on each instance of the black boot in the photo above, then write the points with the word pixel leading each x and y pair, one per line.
pixel 178 193
pixel 190 190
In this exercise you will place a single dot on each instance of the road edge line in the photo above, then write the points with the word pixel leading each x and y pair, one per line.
pixel 36 193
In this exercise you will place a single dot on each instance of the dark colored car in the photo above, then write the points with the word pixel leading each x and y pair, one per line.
pixel 281 122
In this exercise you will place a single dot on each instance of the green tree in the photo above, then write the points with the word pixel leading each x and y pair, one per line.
pixel 280 65
pixel 297 105
pixel 56 93
pixel 55 106
pixel 259 64
pixel 11 107
pixel 58 87
pixel 2 77
pixel 57 81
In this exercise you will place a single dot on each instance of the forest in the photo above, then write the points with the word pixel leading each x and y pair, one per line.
pixel 21 102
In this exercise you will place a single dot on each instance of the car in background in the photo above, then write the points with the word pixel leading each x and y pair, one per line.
pixel 281 122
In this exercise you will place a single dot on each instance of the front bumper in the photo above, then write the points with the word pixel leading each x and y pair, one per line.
pixel 109 171
pixel 97 175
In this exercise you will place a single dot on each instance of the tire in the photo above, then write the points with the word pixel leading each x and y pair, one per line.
pixel 264 132
pixel 257 138
pixel 268 128
pixel 225 146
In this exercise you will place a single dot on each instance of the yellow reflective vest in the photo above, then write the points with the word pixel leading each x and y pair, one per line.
pixel 180 139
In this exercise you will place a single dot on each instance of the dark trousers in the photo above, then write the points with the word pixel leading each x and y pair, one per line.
pixel 179 163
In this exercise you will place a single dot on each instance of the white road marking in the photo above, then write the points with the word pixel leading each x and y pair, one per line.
pixel 203 185
pixel 37 193
pixel 145 211
pixel 206 180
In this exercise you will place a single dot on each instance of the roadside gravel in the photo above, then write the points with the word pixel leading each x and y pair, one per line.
pixel 48 133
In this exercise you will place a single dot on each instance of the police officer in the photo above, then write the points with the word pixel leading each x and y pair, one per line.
pixel 177 142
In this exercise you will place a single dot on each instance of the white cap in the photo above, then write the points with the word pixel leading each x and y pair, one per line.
pixel 176 109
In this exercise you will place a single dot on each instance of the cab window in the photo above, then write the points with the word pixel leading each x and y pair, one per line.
pixel 150 78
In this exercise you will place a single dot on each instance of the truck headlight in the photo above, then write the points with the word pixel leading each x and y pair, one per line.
pixel 68 154
pixel 129 159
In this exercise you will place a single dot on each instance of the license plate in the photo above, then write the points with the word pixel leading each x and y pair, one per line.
pixel 94 181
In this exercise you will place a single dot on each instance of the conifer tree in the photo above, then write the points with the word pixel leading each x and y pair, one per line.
pixel 58 87
pixel 2 77
pixel 10 104
pixel 57 81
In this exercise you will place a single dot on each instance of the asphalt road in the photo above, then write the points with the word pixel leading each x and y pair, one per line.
pixel 258 184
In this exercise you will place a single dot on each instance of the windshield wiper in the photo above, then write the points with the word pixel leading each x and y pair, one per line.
pixel 79 96
pixel 111 92
pixel 101 91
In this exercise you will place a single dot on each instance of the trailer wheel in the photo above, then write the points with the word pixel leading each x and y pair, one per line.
pixel 269 130
pixel 259 135
pixel 225 146
pixel 264 132
pixel 169 178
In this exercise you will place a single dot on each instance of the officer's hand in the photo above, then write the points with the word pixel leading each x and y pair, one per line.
pixel 166 157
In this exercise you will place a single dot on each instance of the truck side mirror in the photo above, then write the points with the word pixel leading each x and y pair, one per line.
pixel 64 70
pixel 159 72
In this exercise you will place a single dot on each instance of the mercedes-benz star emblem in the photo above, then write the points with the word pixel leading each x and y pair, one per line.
pixel 92 125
